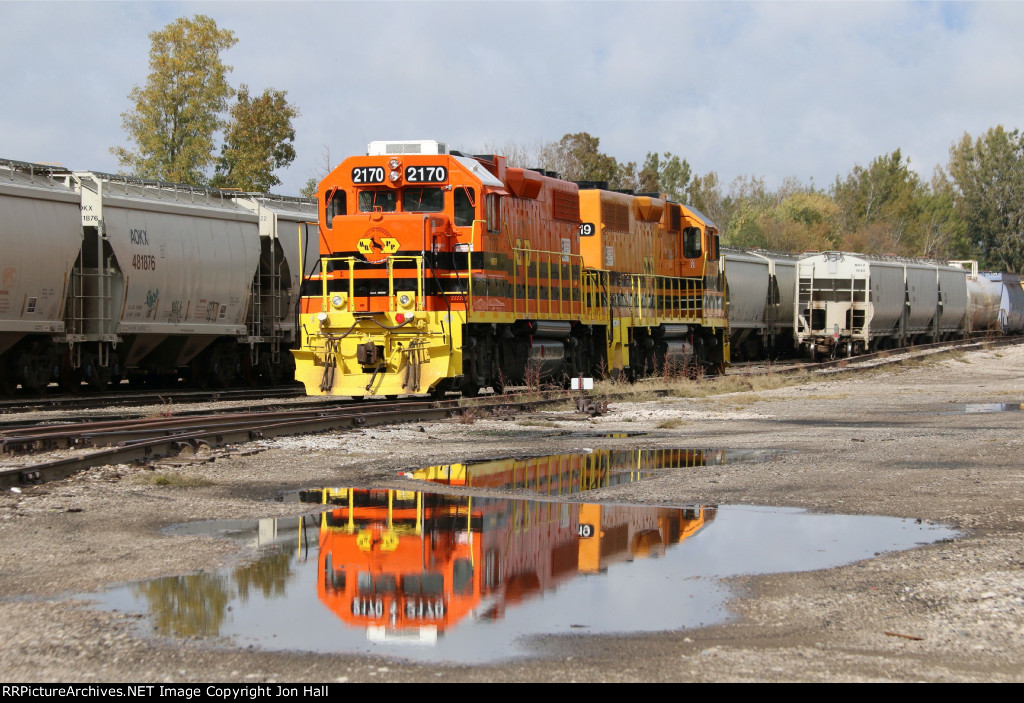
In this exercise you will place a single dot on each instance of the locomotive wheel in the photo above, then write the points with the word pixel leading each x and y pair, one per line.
pixel 470 389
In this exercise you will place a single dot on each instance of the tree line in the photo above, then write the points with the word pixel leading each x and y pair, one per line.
pixel 973 208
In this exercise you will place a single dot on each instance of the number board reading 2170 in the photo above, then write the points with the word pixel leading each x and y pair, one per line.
pixel 426 174
pixel 368 174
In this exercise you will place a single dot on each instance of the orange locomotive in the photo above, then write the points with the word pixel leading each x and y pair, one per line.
pixel 409 566
pixel 440 271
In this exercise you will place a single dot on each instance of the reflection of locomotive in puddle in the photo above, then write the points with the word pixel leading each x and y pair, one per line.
pixel 408 565
pixel 563 474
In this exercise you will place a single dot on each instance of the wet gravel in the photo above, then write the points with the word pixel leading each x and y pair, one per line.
pixel 894 442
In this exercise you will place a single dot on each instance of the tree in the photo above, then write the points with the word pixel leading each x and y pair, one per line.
pixel 575 157
pixel 881 206
pixel 988 193
pixel 663 174
pixel 258 140
pixel 178 113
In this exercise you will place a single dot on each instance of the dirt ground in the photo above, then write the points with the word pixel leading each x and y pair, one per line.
pixel 892 442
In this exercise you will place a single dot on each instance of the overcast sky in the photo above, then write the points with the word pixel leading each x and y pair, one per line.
pixel 770 89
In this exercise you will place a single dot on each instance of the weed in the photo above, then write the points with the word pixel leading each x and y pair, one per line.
pixel 177 481
pixel 672 423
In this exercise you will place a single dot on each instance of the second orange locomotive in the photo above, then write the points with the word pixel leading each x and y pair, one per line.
pixel 446 272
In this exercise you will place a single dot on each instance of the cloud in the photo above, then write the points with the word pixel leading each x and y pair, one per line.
pixel 771 89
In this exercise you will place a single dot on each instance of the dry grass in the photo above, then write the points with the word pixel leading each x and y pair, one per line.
pixel 673 423
pixel 176 480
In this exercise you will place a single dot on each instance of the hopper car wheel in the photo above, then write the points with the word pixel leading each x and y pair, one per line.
pixel 93 374
pixel 70 377
pixel 250 372
pixel 7 383
pixel 32 377
pixel 269 372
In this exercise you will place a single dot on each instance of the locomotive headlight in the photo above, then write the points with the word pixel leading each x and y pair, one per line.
pixel 394 164
pixel 404 300
pixel 395 175
pixel 336 301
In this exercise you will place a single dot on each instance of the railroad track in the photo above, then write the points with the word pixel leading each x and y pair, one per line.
pixel 117 441
pixel 874 359
pixel 31 402
pixel 120 440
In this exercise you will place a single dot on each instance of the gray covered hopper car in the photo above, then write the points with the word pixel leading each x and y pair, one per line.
pixel 145 280
pixel 761 288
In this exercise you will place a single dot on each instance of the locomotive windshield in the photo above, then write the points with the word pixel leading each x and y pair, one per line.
pixel 370 200
pixel 422 200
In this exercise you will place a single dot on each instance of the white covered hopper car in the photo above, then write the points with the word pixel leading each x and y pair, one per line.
pixel 850 303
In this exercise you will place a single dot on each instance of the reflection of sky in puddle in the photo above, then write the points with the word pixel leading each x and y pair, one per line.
pixel 991 407
pixel 574 472
pixel 467 579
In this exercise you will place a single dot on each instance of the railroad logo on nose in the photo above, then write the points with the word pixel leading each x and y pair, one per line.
pixel 376 247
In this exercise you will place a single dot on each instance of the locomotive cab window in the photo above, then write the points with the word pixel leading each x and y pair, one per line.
pixel 493 212
pixel 422 200
pixel 691 243
pixel 334 206
pixel 371 200
pixel 465 201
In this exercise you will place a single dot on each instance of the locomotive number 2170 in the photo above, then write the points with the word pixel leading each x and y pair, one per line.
pixel 426 174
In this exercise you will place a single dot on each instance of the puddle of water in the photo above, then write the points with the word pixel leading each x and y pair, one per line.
pixel 470 579
pixel 992 407
pixel 575 472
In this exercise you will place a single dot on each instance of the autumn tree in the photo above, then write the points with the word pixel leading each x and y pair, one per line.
pixel 987 174
pixel 259 139
pixel 176 116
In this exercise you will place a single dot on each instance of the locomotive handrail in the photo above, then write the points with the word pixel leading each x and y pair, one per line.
pixel 524 256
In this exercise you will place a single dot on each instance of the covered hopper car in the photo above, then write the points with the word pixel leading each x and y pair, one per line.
pixel 106 278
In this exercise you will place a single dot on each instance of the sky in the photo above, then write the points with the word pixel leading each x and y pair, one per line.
pixel 773 90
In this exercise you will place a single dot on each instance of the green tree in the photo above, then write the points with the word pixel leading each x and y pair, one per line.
pixel 988 194
pixel 175 117
pixel 881 206
pixel 576 157
pixel 259 139
pixel 705 194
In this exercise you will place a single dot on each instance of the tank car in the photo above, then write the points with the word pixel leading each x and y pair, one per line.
pixel 1011 301
pixel 440 271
